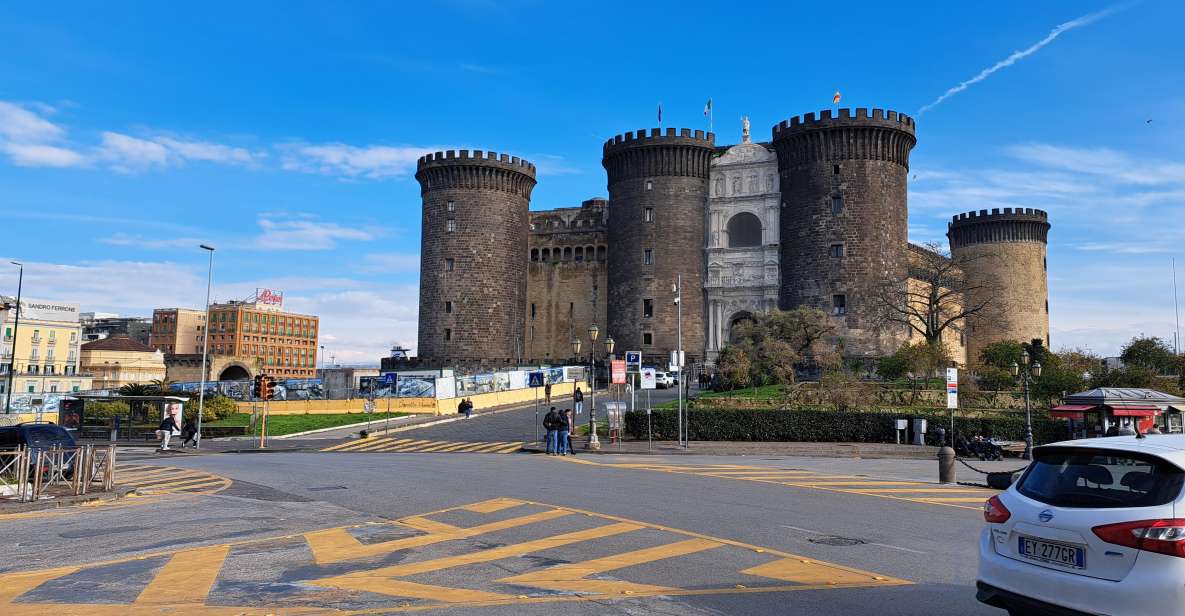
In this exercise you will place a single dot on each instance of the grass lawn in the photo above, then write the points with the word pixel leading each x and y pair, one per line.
pixel 278 425
pixel 764 392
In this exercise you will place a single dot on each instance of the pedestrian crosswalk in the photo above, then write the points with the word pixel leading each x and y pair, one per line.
pixel 410 445
pixel 966 497
pixel 149 479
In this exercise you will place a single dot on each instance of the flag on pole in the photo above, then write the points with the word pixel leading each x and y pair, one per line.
pixel 835 99
pixel 660 113
pixel 708 107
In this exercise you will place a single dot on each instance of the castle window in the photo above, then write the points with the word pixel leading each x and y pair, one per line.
pixel 451 225
pixel 648 214
pixel 839 304
pixel 600 253
pixel 546 255
pixel 1046 306
pixel 532 310
pixel 647 338
pixel 448 307
pixel 448 334
pixel 744 230
pixel 649 185
pixel 451 206
pixel 449 264
pixel 648 257
pixel 534 254
pixel 567 253
pixel 835 169
pixel 579 253
pixel 836 250
pixel 647 308
pixel 836 204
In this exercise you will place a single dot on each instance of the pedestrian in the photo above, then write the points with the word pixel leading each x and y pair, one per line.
pixel 578 399
pixel 563 432
pixel 547 394
pixel 461 406
pixel 551 424
pixel 468 407
pixel 166 430
pixel 570 419
pixel 189 432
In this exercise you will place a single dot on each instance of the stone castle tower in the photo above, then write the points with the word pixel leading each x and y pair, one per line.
pixel 658 190
pixel 844 225
pixel 1004 253
pixel 473 265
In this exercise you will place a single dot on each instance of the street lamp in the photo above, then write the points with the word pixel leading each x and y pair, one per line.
pixel 1031 370
pixel 197 443
pixel 16 324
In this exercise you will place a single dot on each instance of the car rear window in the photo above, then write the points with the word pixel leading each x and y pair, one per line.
pixel 47 436
pixel 1099 478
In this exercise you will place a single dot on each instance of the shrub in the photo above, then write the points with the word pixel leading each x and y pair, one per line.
pixel 215 407
pixel 810 425
pixel 107 409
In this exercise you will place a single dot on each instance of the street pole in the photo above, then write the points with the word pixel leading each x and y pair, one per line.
pixel 679 356
pixel 1028 422
pixel 16 325
pixel 536 413
pixel 1176 308
pixel 197 443
pixel 387 420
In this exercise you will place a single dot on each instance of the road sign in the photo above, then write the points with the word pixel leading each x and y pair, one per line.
pixel 649 381
pixel 534 379
pixel 389 378
pixel 634 359
pixel 952 388
pixel 677 360
pixel 617 369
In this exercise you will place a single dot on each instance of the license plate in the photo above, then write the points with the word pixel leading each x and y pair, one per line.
pixel 1063 554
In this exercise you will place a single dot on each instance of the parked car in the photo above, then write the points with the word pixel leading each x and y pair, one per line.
pixel 663 380
pixel 1093 526
pixel 39 437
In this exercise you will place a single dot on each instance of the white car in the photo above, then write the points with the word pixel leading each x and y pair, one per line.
pixel 1094 526
pixel 663 380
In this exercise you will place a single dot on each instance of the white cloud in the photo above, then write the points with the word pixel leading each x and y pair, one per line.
pixel 306 235
pixel 20 125
pixel 41 155
pixel 209 152
pixel 1017 56
pixel 371 162
pixel 133 241
pixel 1103 162
pixel 128 154
pixel 393 262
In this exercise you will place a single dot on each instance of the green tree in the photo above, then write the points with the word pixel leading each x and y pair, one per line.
pixel 735 367
pixel 1151 353
pixel 215 408
pixel 773 343
pixel 1128 376
pixel 137 389
pixel 1001 354
pixel 96 409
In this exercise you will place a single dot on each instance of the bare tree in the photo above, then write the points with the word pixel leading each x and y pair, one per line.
pixel 935 295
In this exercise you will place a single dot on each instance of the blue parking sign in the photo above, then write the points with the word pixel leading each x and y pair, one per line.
pixel 534 379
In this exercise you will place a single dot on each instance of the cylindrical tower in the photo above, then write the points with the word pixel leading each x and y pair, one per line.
pixel 1002 254
pixel 473 266
pixel 658 188
pixel 844 218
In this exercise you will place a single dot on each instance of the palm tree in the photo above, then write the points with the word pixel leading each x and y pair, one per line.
pixel 138 389
pixel 162 386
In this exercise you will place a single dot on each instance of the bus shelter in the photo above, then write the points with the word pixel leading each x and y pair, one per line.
pixel 139 422
pixel 1098 411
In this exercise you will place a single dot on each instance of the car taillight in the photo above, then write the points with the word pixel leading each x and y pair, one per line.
pixel 994 511
pixel 1161 536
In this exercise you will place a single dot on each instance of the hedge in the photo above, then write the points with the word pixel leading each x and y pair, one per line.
pixel 812 425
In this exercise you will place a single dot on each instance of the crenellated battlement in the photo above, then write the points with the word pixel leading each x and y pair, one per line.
pixel 998 225
pixel 476 157
pixel 659 136
pixel 846 118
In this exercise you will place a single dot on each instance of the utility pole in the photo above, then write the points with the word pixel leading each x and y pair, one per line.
pixel 20 281
pixel 1176 307
pixel 679 356
pixel 205 346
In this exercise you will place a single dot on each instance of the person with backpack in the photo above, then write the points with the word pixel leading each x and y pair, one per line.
pixel 563 432
pixel 551 423
pixel 578 399
pixel 570 420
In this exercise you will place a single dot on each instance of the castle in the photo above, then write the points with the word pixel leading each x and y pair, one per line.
pixel 815 217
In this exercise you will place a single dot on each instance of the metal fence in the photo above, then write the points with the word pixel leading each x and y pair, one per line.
pixel 27 474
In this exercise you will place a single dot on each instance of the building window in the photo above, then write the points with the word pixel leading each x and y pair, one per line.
pixel 836 204
pixel 451 206
pixel 532 310
pixel 836 250
pixel 648 214
pixel 451 225
pixel 648 257
pixel 534 254
pixel 448 307
pixel 839 304
pixel 579 253
pixel 835 169
pixel 647 308
pixel 649 185
pixel 647 338
pixel 448 334
pixel 448 264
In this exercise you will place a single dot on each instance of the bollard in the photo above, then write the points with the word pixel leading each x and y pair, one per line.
pixel 946 465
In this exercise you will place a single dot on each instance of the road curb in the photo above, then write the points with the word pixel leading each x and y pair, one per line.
pixel 118 493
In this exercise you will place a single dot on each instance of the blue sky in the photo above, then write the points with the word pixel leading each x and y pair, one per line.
pixel 286 134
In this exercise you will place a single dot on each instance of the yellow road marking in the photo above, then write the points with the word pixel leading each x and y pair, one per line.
pixel 954 500
pixel 490 506
pixel 340 446
pixel 472 447
pixel 455 446
pixel 429 526
pixel 380 580
pixel 756 473
pixel 861 483
pixel 439 446
pixel 336 544
pixel 983 491
pixel 509 448
pixel 188 577
pixel 377 444
pixel 571 577
pixel 807 571
pixel 13 585
pixel 491 448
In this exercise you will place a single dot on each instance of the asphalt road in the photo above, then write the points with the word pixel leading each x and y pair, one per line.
pixel 356 533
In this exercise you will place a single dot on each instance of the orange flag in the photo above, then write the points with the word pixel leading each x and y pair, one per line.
pixel 835 99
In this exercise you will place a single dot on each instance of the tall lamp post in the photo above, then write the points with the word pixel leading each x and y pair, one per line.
pixel 197 443
pixel 1027 372
pixel 16 324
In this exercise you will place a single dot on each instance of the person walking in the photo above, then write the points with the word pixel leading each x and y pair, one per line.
pixel 189 433
pixel 547 394
pixel 570 419
pixel 166 430
pixel 578 399
pixel 551 424
pixel 563 432
pixel 468 409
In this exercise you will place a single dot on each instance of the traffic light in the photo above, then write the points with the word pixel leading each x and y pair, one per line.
pixel 257 387
pixel 267 389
